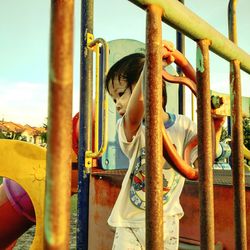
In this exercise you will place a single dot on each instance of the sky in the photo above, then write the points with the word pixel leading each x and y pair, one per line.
pixel 24 48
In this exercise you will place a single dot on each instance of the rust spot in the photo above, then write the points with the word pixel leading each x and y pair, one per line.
pixel 106 190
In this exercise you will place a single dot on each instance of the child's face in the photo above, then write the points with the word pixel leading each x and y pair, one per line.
pixel 121 94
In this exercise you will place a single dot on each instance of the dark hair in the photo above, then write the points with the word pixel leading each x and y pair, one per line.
pixel 129 68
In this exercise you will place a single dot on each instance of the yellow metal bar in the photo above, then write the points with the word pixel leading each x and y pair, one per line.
pixel 99 152
pixel 246 152
pixel 97 96
pixel 94 46
pixel 192 106
pixel 90 38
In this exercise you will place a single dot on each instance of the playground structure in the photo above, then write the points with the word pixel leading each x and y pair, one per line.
pixel 98 188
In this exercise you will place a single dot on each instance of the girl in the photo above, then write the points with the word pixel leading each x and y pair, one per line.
pixel 124 84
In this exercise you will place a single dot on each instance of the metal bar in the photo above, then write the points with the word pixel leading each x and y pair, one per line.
pixel 102 71
pixel 192 107
pixel 103 91
pixel 154 184
pixel 205 147
pixel 238 158
pixel 85 124
pixel 237 138
pixel 181 18
pixel 97 97
pixel 180 40
pixel 58 181
pixel 232 23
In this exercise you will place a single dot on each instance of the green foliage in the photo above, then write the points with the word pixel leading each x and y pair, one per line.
pixel 44 137
pixel 2 136
pixel 224 134
pixel 246 138
pixel 44 134
pixel 246 132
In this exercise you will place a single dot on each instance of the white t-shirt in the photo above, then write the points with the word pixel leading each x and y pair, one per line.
pixel 129 209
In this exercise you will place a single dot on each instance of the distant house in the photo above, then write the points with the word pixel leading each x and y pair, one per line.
pixel 3 130
pixel 11 130
pixel 15 131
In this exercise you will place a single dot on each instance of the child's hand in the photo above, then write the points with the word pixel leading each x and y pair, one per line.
pixel 167 53
pixel 170 54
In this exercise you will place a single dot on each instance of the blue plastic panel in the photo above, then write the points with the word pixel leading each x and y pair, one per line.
pixel 113 158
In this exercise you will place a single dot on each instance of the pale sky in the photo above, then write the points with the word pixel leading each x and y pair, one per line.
pixel 24 37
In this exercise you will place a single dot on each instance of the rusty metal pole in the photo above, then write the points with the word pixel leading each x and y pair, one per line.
pixel 237 138
pixel 232 23
pixel 238 158
pixel 154 183
pixel 205 154
pixel 58 179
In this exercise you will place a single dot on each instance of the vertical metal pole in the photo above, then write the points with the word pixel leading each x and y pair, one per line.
pixel 180 39
pixel 232 23
pixel 205 147
pixel 237 138
pixel 101 85
pixel 154 183
pixel 58 181
pixel 238 158
pixel 85 125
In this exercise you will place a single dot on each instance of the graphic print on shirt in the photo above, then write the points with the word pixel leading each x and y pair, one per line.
pixel 138 182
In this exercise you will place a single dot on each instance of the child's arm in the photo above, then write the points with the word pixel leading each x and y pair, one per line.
pixel 135 110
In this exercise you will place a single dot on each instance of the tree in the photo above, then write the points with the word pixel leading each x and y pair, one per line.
pixel 2 135
pixel 44 134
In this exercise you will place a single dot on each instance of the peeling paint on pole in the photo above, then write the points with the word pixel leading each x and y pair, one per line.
pixel 199 61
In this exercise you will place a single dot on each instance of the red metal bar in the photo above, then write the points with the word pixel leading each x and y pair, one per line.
pixel 58 182
pixel 154 184
pixel 205 147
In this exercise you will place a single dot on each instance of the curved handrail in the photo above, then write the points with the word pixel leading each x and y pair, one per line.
pixel 169 152
pixel 99 152
pixel 180 80
pixel 171 155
